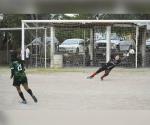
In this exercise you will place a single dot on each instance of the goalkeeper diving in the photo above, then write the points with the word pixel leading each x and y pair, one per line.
pixel 112 63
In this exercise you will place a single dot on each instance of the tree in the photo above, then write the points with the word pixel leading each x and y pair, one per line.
pixel 13 37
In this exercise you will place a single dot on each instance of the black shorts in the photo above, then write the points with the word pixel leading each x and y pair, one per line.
pixel 107 67
pixel 19 81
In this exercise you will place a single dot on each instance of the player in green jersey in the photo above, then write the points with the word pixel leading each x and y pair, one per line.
pixel 19 77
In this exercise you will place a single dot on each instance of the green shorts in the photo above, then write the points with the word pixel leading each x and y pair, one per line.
pixel 20 80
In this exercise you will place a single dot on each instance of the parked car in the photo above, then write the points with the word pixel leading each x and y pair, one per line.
pixel 126 45
pixel 101 43
pixel 117 43
pixel 74 45
pixel 148 45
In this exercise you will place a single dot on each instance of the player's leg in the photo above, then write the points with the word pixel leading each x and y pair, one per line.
pixel 105 74
pixel 95 73
pixel 21 94
pixel 25 85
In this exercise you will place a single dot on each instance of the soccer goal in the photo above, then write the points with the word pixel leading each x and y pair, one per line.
pixel 86 42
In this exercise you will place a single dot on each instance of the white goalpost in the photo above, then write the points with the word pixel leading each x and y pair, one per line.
pixel 17 29
pixel 108 24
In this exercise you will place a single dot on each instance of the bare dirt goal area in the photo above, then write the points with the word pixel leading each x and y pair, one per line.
pixel 68 89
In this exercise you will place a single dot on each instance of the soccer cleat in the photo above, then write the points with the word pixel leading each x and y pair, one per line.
pixel 89 77
pixel 35 99
pixel 24 102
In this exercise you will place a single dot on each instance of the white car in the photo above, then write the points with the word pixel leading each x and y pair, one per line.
pixel 101 43
pixel 117 43
pixel 101 38
pixel 72 46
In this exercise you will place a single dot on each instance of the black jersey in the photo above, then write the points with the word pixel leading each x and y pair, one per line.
pixel 112 63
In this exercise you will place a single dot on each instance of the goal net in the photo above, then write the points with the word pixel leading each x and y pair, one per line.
pixel 86 42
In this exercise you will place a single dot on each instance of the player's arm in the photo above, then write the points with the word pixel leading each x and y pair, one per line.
pixel 12 70
pixel 125 56
pixel 12 73
pixel 22 64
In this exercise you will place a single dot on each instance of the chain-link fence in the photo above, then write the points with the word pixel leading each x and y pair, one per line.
pixel 85 44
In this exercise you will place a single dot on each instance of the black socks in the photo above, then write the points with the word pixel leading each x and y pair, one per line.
pixel 34 98
pixel 30 92
pixel 22 96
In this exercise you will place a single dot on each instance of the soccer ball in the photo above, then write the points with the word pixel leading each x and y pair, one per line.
pixel 131 51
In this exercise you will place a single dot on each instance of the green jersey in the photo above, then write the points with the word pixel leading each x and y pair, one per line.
pixel 17 69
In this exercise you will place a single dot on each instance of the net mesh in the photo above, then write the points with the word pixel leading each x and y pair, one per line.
pixel 85 44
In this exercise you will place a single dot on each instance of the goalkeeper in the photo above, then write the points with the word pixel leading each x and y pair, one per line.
pixel 107 67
